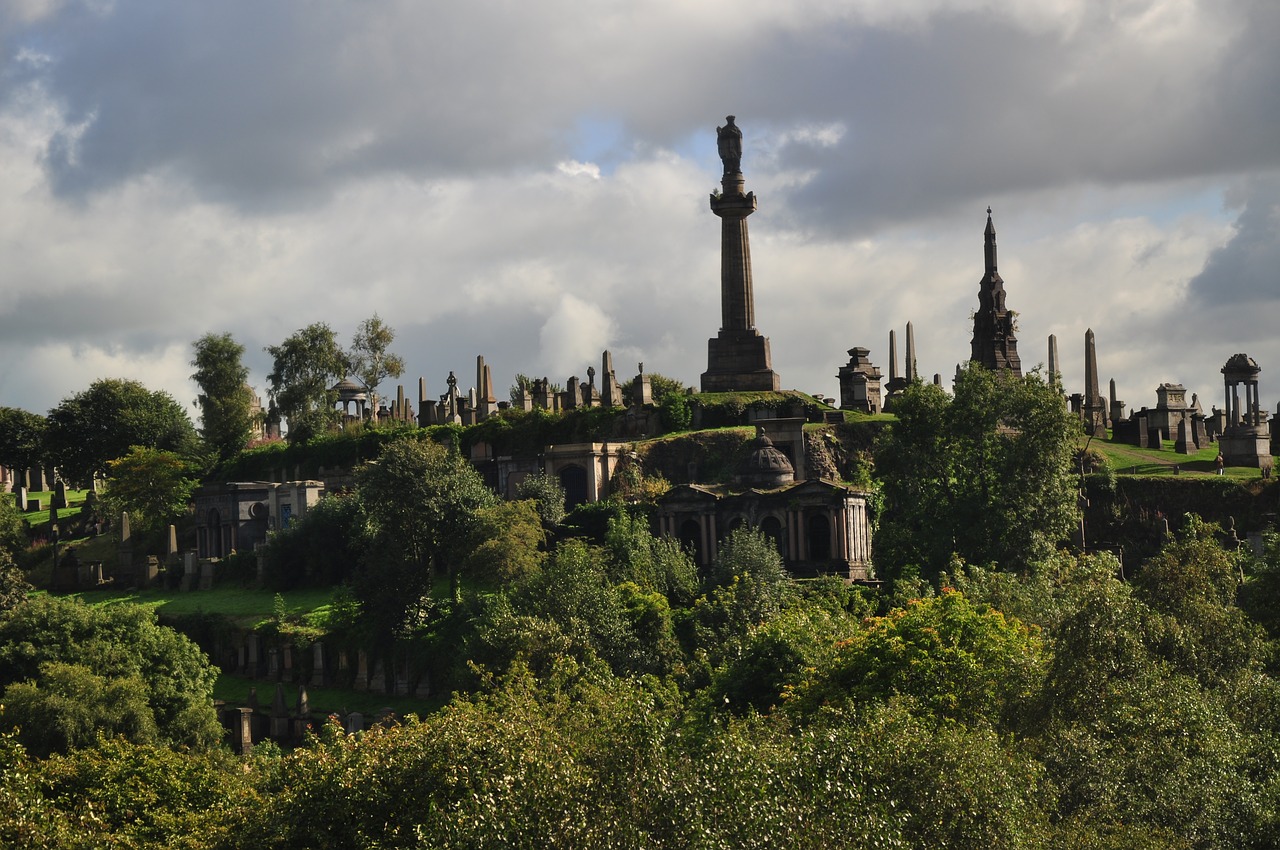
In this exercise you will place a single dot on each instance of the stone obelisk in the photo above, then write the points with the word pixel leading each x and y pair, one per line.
pixel 738 357
pixel 1095 412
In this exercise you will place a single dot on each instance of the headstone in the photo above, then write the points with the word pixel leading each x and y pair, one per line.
pixel 20 498
pixel 35 479
pixel 317 664
pixel 611 396
pixel 303 706
pixel 378 681
pixel 361 682
pixel 273 662
pixel 59 494
pixel 279 716
pixel 148 571
pixel 354 723
pixel 254 654
pixel 171 545
pixel 1182 445
pixel 34 506
pixel 243 734
pixel 572 396
pixel 286 662
pixel 643 391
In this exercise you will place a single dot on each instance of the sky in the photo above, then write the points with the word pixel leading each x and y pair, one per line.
pixel 529 182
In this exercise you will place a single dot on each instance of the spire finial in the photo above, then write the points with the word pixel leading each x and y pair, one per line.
pixel 988 209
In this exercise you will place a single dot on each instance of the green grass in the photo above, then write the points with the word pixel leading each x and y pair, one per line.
pixel 234 690
pixel 243 606
pixel 1131 460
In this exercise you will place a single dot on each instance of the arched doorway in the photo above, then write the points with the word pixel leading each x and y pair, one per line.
pixel 819 531
pixel 691 538
pixel 213 535
pixel 771 528
pixel 573 479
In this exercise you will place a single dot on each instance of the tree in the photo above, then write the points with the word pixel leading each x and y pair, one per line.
pixel 94 427
pixel 984 474
pixel 152 485
pixel 307 365
pixel 75 668
pixel 506 542
pixel 21 438
pixel 370 360
pixel 547 492
pixel 225 400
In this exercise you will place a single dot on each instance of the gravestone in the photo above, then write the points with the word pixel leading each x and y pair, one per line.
pixel 34 506
pixel 378 681
pixel 59 494
pixel 20 498
pixel 279 716
pixel 354 723
pixel 148 571
pixel 642 391
pixel 243 730
pixel 317 664
pixel 362 671
pixel 1182 444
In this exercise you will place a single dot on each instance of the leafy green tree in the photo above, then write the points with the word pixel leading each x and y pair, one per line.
pixel 13 527
pixel 21 438
pixel 984 474
pixel 306 367
pixel 956 662
pixel 13 584
pixel 547 492
pixel 102 423
pixel 79 668
pixel 225 400
pixel 660 387
pixel 152 485
pixel 421 501
pixel 370 360
pixel 322 547
pixel 652 563
pixel 505 543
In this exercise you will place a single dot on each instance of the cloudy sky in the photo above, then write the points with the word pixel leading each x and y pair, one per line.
pixel 529 181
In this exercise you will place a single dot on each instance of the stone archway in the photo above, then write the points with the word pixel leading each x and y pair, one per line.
pixel 691 539
pixel 818 530
pixel 573 479
pixel 771 527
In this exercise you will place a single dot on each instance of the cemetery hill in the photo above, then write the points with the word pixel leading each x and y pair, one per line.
pixel 973 610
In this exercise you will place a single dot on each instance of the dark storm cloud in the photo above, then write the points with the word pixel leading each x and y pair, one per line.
pixel 973 106
pixel 1246 270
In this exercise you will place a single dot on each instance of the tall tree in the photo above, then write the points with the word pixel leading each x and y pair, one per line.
pixel 94 427
pixel 370 360
pixel 984 474
pixel 307 365
pixel 152 485
pixel 226 400
pixel 21 437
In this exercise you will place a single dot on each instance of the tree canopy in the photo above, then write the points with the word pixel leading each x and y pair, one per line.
pixel 92 428
pixel 21 438
pixel 225 400
pixel 370 360
pixel 306 366
pixel 984 474
pixel 154 486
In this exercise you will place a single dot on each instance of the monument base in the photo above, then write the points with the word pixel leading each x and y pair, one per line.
pixel 1245 445
pixel 738 361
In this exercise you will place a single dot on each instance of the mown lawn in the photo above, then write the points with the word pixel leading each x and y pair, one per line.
pixel 1131 460
pixel 234 690
pixel 244 606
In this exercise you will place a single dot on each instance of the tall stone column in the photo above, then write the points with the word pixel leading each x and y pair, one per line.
pixel 738 357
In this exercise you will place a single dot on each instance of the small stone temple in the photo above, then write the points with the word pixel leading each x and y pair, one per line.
pixel 994 344
pixel 819 527
pixel 1246 440
pixel 738 357
pixel 237 515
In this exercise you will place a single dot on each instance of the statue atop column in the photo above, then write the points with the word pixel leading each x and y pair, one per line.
pixel 729 141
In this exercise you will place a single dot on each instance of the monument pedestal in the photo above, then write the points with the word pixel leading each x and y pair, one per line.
pixel 1246 445
pixel 739 361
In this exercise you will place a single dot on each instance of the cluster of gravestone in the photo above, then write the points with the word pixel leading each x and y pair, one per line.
pixel 480 401
pixel 251 655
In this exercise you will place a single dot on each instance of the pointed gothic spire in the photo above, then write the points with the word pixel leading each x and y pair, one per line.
pixel 990 243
